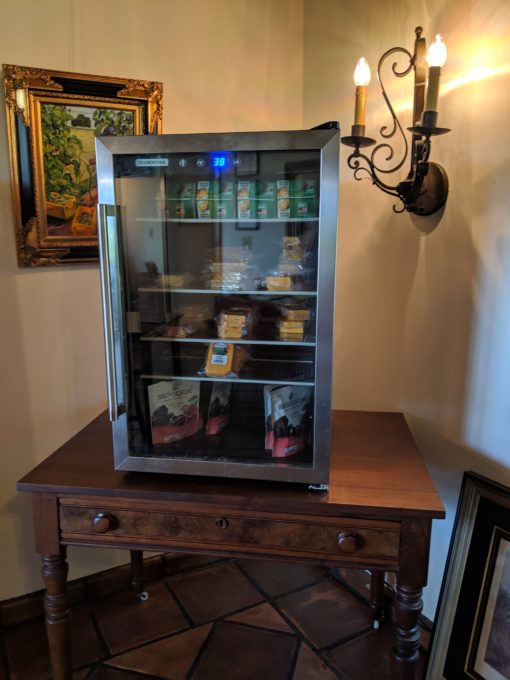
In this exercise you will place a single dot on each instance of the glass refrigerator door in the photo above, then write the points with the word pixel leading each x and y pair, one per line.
pixel 213 265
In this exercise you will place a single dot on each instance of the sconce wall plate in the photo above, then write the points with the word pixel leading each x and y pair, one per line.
pixel 425 189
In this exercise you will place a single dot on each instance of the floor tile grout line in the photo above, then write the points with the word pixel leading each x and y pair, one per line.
pixel 300 637
pixel 289 633
pixel 191 670
pixel 253 581
pixel 198 567
pixel 146 643
pixel 178 602
pixel 229 613
pixel 104 647
pixel 272 600
pixel 297 631
pixel 294 660
pixel 348 638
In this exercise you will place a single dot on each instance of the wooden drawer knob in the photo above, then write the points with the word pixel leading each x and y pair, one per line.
pixel 221 523
pixel 348 542
pixel 103 522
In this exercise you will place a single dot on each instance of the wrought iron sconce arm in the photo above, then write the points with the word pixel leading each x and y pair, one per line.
pixel 425 189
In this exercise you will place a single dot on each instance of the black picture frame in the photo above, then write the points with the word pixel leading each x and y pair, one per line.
pixel 470 637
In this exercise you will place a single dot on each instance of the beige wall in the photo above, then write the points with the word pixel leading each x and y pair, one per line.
pixel 423 320
pixel 225 65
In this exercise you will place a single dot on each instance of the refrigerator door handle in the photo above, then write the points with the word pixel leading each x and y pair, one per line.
pixel 108 313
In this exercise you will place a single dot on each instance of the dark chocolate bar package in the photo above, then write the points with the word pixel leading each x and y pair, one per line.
pixel 219 407
pixel 268 415
pixel 290 407
pixel 173 406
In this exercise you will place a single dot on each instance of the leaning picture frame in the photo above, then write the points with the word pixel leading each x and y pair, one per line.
pixel 472 628
pixel 52 120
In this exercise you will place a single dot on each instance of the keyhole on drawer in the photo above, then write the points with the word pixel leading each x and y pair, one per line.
pixel 221 523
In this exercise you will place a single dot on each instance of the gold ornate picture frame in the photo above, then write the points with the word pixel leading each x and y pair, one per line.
pixel 52 119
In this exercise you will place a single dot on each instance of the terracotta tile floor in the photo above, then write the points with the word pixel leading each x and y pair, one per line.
pixel 222 620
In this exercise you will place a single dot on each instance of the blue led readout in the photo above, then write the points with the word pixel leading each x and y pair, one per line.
pixel 220 161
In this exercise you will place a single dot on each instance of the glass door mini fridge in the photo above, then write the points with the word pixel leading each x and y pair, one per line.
pixel 218 274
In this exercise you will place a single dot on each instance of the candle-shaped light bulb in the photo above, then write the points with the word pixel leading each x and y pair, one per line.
pixel 436 58
pixel 361 80
pixel 436 54
pixel 362 73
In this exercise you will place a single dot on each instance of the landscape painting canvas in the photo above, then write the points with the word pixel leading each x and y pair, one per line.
pixel 68 187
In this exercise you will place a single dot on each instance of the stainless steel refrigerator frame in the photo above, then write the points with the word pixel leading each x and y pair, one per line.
pixel 324 140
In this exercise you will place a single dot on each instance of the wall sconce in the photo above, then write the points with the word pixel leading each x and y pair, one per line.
pixel 425 189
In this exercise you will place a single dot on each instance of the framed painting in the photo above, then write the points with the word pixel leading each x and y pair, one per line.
pixel 52 120
pixel 472 630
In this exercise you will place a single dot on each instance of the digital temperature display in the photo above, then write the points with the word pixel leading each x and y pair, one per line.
pixel 220 161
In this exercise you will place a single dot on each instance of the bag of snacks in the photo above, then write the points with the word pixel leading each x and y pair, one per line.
pixel 268 416
pixel 219 408
pixel 174 412
pixel 290 407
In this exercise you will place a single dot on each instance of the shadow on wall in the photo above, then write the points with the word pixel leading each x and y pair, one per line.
pixel 447 461
pixel 487 411
pixel 439 319
pixel 377 267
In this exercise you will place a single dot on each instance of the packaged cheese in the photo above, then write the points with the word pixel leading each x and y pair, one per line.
pixel 294 312
pixel 290 326
pixel 278 282
pixel 228 268
pixel 175 280
pixel 219 359
pixel 230 331
pixel 234 316
pixel 178 329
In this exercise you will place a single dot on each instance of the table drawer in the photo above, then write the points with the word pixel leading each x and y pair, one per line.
pixel 300 535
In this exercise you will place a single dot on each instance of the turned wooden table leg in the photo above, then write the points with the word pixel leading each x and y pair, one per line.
pixel 377 596
pixel 58 625
pixel 407 609
pixel 407 605
pixel 137 574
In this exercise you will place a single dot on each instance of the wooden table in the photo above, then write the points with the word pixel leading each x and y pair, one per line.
pixel 376 515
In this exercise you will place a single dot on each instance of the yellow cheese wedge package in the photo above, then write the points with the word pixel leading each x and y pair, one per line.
pixel 219 359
